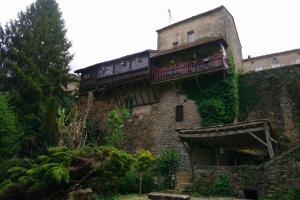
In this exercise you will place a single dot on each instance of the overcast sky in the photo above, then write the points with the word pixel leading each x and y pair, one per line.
pixel 106 29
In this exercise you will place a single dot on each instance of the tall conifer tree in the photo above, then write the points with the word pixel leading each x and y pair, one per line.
pixel 36 61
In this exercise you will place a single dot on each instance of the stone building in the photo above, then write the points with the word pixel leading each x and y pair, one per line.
pixel 270 61
pixel 149 82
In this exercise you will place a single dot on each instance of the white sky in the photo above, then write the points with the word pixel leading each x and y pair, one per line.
pixel 106 29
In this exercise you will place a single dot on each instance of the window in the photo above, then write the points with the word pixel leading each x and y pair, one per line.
pixel 258 69
pixel 275 63
pixel 190 36
pixel 175 43
pixel 297 61
pixel 179 113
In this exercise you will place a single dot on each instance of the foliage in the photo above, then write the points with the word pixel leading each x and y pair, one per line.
pixel 72 127
pixel 10 134
pixel 287 194
pixel 218 98
pixel 60 168
pixel 27 177
pixel 130 182
pixel 222 186
pixel 116 120
pixel 97 122
pixel 144 160
pixel 34 66
pixel 201 187
pixel 166 164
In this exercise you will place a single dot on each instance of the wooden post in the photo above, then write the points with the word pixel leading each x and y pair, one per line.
pixel 191 160
pixel 269 142
pixel 140 184
pixel 217 156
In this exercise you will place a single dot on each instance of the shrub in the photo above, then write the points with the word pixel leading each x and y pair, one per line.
pixel 144 160
pixel 167 164
pixel 222 186
pixel 129 183
pixel 201 187
pixel 116 120
pixel 287 194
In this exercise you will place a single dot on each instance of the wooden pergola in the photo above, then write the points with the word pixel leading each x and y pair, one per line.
pixel 249 134
pixel 256 134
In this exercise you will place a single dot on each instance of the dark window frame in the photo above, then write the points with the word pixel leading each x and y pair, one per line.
pixel 179 113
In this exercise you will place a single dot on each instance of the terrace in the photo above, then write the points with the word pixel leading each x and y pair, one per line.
pixel 204 56
pixel 196 67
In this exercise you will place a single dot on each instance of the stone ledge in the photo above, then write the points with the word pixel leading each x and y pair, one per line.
pixel 167 196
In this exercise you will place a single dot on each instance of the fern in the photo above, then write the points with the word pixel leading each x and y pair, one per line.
pixel 59 174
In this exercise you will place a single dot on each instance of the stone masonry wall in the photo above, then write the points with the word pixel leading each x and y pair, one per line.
pixel 274 95
pixel 153 127
pixel 274 176
pixel 211 25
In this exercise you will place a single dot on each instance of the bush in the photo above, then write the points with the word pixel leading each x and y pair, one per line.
pixel 286 194
pixel 100 168
pixel 222 186
pixel 201 187
pixel 130 182
pixel 167 164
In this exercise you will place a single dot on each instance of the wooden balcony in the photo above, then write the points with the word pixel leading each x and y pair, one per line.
pixel 95 83
pixel 183 70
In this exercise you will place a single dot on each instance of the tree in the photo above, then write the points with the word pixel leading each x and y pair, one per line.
pixel 144 160
pixel 9 133
pixel 35 65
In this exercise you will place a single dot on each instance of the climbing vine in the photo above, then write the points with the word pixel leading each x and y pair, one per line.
pixel 217 98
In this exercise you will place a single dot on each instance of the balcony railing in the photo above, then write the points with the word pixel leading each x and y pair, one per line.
pixel 199 66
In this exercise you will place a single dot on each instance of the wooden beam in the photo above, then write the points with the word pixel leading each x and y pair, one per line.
pixel 149 98
pixel 257 138
pixel 118 95
pixel 156 97
pixel 269 142
pixel 141 95
pixel 133 92
pixel 192 134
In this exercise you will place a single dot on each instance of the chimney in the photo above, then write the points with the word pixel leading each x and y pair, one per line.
pixel 249 56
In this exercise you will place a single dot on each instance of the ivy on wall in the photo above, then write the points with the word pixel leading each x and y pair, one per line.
pixel 218 98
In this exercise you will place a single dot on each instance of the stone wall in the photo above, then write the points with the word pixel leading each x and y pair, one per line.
pixel 211 25
pixel 215 23
pixel 274 176
pixel 275 95
pixel 232 38
pixel 153 127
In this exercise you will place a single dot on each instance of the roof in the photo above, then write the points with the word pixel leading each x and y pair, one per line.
pixel 114 60
pixel 199 42
pixel 73 77
pixel 192 18
pixel 272 55
pixel 229 135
